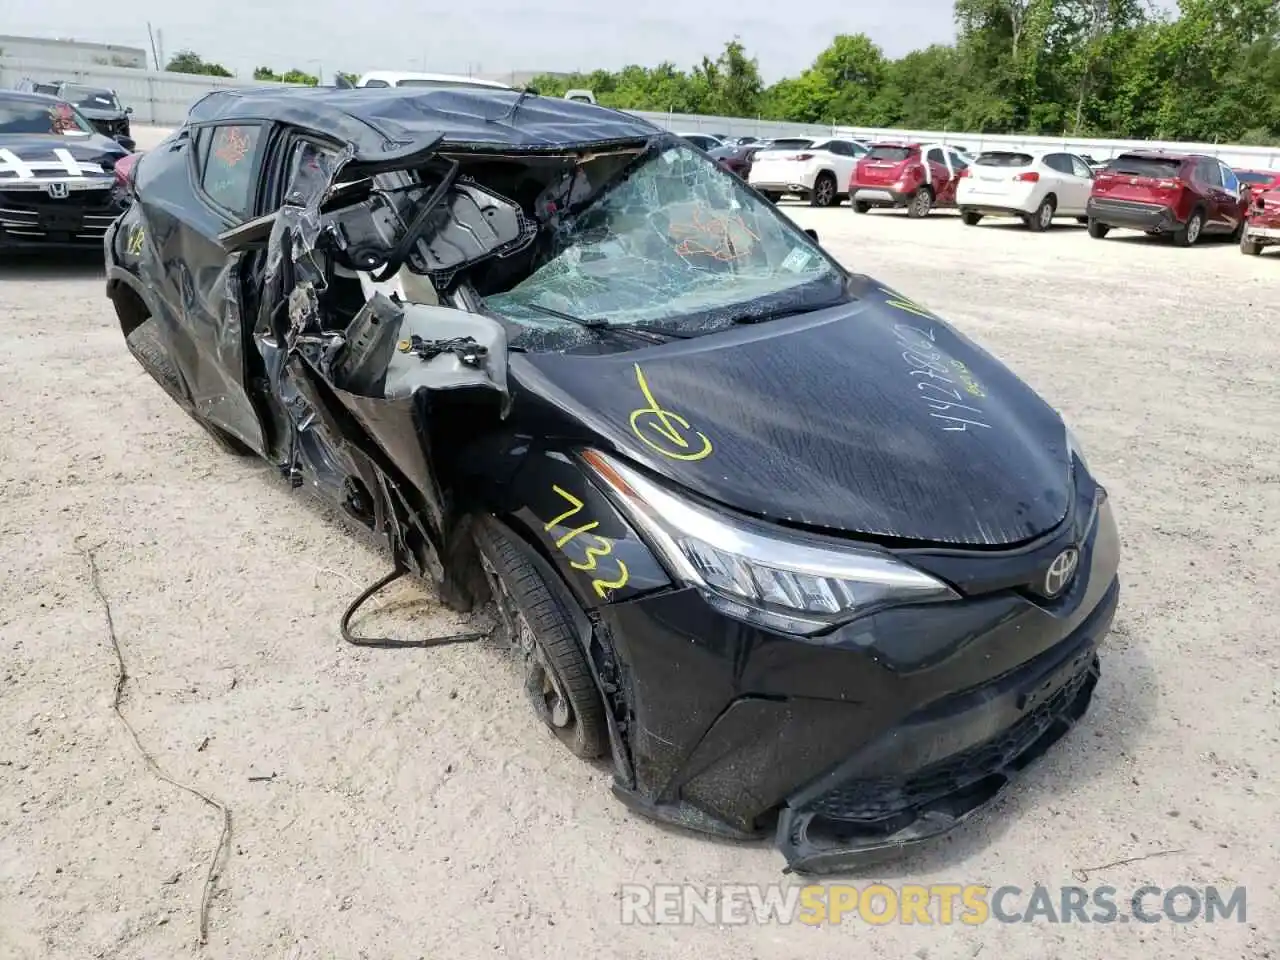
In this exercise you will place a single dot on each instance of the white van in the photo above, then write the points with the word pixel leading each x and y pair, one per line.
pixel 581 96
pixel 399 78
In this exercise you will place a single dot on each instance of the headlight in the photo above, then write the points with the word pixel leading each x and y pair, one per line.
pixel 753 571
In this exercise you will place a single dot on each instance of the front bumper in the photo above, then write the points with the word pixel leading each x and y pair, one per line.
pixel 32 219
pixel 889 731
pixel 878 196
pixel 1132 215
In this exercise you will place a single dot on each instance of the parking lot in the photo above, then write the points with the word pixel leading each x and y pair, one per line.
pixel 397 804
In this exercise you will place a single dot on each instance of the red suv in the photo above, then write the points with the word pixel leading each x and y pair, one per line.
pixel 918 176
pixel 1186 196
pixel 1262 229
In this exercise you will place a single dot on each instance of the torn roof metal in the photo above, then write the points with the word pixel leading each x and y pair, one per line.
pixel 378 121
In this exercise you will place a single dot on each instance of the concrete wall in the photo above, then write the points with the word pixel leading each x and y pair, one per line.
pixel 158 98
pixel 162 99
pixel 73 52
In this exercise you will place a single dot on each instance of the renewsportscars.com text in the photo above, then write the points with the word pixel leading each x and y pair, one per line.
pixel 939 903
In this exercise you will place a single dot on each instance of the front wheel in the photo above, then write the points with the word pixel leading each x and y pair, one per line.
pixel 1098 230
pixel 921 203
pixel 1250 248
pixel 1083 221
pixel 824 191
pixel 969 218
pixel 771 195
pixel 861 206
pixel 558 678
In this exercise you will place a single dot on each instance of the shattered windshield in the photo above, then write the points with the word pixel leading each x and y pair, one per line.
pixel 677 243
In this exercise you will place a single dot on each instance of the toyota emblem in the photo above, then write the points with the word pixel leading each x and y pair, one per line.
pixel 1058 577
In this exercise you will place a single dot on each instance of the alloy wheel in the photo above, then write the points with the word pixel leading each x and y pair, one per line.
pixel 1193 229
pixel 826 191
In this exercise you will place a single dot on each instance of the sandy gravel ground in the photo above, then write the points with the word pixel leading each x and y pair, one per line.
pixel 417 810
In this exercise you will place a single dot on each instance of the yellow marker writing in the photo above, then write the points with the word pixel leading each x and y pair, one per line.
pixel 668 433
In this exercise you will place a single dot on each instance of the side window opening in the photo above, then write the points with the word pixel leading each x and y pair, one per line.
pixel 935 156
pixel 227 163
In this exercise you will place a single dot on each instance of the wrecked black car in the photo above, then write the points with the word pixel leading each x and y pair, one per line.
pixel 798 555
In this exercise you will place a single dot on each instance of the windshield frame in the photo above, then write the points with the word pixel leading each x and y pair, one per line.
pixel 40 106
pixel 752 309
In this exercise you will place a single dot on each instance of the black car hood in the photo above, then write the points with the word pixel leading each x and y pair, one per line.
pixel 102 113
pixel 873 418
pixel 92 151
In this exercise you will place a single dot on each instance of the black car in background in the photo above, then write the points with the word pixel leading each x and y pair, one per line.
pixel 798 555
pixel 58 176
pixel 99 105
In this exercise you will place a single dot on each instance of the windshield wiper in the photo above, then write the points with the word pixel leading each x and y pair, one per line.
pixel 641 332
pixel 745 318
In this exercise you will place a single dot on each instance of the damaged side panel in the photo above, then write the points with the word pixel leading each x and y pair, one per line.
pixel 367 378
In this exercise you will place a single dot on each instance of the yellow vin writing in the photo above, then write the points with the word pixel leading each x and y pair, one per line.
pixel 602 547
pixel 666 432
pixel 134 246
pixel 902 303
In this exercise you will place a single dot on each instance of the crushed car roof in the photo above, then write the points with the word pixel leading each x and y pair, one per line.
pixel 375 119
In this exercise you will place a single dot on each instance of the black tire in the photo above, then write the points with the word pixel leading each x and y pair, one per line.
pixel 147 346
pixel 1098 230
pixel 1042 219
pixel 1190 232
pixel 771 196
pixel 970 218
pixel 585 730
pixel 1250 248
pixel 861 206
pixel 825 192
pixel 1083 221
pixel 920 204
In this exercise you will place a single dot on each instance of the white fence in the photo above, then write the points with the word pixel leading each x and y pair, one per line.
pixel 163 99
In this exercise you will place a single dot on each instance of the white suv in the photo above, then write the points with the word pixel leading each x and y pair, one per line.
pixel 1035 186
pixel 818 172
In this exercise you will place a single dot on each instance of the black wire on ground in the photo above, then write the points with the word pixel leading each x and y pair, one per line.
pixel 122 676
pixel 388 643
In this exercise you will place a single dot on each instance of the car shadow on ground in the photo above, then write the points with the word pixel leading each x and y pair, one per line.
pixel 1017 226
pixel 49 267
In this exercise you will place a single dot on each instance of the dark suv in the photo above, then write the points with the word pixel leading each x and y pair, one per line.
pixel 1185 196
pixel 99 105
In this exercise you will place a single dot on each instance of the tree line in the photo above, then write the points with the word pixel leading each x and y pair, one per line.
pixel 1090 68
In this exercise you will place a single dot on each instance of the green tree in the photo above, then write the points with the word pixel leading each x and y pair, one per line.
pixel 188 61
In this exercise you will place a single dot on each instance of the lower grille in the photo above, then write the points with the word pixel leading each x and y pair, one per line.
pixel 34 217
pixel 870 801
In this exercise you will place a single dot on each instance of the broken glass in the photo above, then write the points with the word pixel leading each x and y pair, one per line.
pixel 677 241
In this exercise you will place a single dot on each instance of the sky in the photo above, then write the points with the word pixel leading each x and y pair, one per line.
pixel 486 36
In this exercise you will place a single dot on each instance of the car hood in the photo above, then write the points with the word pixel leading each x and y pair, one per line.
pixel 872 418
pixel 94 150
